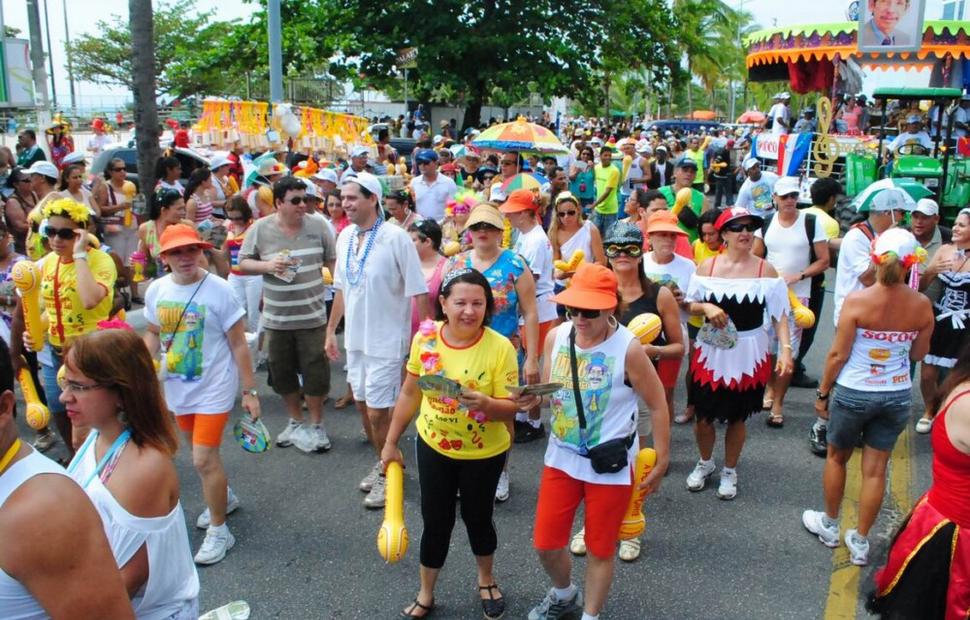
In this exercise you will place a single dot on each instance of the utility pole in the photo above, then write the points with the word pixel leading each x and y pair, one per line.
pixel 275 51
pixel 50 58
pixel 37 64
pixel 70 66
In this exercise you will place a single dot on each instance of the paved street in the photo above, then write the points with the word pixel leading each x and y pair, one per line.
pixel 306 546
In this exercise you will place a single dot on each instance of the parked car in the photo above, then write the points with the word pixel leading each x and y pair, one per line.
pixel 684 125
pixel 189 159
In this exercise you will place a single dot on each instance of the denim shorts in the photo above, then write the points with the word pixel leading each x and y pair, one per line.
pixel 878 416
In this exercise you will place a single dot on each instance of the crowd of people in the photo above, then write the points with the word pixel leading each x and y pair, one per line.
pixel 449 298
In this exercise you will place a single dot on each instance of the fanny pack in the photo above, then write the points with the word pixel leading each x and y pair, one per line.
pixel 610 456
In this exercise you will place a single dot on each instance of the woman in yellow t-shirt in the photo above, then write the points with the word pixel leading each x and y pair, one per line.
pixel 77 290
pixel 462 441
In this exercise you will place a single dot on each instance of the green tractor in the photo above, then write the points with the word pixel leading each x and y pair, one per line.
pixel 939 168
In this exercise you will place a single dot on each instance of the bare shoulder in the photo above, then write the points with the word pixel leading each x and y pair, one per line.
pixel 769 270
pixel 704 269
pixel 145 468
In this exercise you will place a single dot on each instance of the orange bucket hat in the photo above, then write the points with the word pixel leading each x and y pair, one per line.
pixel 592 287
pixel 181 235
pixel 663 221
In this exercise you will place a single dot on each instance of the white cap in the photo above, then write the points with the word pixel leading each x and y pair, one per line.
pixel 787 185
pixel 890 199
pixel 927 206
pixel 438 139
pixel 43 168
pixel 218 161
pixel 750 163
pixel 360 151
pixel 311 190
pixel 327 174
pixel 914 118
pixel 643 146
pixel 899 241
pixel 73 158
pixel 369 182
pixel 784 95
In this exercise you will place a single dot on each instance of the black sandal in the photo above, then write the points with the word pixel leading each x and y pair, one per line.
pixel 493 608
pixel 775 420
pixel 426 609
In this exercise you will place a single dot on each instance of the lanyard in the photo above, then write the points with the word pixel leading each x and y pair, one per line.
pixel 117 445
pixel 11 452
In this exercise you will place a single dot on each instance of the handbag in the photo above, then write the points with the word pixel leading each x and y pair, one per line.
pixel 610 456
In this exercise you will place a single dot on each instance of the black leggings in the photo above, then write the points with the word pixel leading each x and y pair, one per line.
pixel 441 478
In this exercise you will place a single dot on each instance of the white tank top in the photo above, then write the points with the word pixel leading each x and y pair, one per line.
pixel 16 603
pixel 581 240
pixel 633 176
pixel 609 405
pixel 173 582
pixel 879 361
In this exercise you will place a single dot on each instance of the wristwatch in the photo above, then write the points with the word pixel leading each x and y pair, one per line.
pixel 80 256
pixel 820 396
pixel 253 392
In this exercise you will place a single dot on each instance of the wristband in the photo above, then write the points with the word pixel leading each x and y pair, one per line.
pixel 80 256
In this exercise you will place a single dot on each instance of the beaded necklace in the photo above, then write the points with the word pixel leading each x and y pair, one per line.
pixel 354 266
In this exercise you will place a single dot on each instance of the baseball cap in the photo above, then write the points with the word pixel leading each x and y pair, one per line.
pixel 891 199
pixel 425 155
pixel 181 235
pixel 927 206
pixel 914 118
pixel 327 174
pixel 592 287
pixel 784 95
pixel 520 200
pixel 449 168
pixel 311 190
pixel 735 213
pixel 643 146
pixel 369 182
pixel 73 158
pixel 360 151
pixel 787 185
pixel 438 139
pixel 218 161
pixel 486 214
pixel 43 168
pixel 687 162
pixel 899 241
pixel 750 163
pixel 661 149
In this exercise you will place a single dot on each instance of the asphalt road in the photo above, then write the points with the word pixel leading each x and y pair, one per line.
pixel 306 545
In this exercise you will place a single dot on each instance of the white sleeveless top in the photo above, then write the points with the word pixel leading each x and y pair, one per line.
pixel 609 405
pixel 16 603
pixel 581 240
pixel 173 583
pixel 879 361
pixel 634 176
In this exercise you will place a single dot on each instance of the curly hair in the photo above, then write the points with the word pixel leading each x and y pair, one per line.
pixel 69 208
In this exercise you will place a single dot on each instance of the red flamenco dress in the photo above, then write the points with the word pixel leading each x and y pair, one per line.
pixel 927 574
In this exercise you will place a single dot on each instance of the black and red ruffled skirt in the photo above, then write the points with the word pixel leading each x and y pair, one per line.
pixel 729 384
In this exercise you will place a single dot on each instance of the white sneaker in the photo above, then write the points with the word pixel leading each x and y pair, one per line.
pixel 814 522
pixel 368 481
pixel 577 546
pixel 924 425
pixel 728 488
pixel 375 498
pixel 285 438
pixel 232 503
pixel 502 490
pixel 215 546
pixel 858 547
pixel 45 440
pixel 697 479
pixel 321 443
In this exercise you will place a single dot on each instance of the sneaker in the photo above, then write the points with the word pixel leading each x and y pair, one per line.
pixel 525 432
pixel 552 608
pixel 858 547
pixel 321 443
pixel 818 440
pixel 577 546
pixel 375 497
pixel 728 488
pixel 629 549
pixel 232 503
pixel 924 425
pixel 502 490
pixel 285 438
pixel 697 479
pixel 368 481
pixel 814 522
pixel 215 546
pixel 45 440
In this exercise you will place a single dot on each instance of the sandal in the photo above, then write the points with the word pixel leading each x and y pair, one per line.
pixel 767 404
pixel 775 420
pixel 343 401
pixel 493 608
pixel 629 549
pixel 577 546
pixel 683 418
pixel 426 610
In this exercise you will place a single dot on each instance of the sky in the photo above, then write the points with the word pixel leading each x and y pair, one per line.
pixel 83 16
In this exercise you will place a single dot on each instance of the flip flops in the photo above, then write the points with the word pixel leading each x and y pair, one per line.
pixel 236 610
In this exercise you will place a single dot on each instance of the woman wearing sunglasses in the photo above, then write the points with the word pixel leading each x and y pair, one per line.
pixel 571 231
pixel 601 362
pixel 125 466
pixel 514 289
pixel 77 285
pixel 731 365
pixel 582 184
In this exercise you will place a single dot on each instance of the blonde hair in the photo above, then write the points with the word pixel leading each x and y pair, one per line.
pixel 890 270
pixel 554 226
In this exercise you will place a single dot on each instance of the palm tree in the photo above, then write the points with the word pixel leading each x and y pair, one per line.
pixel 141 19
pixel 699 20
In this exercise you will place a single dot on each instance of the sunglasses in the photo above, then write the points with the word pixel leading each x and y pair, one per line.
pixel 737 227
pixel 296 200
pixel 23 180
pixel 790 196
pixel 481 226
pixel 237 219
pixel 63 233
pixel 118 169
pixel 586 314
pixel 569 213
pixel 632 250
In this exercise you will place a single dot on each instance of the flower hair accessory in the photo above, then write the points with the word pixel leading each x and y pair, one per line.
pixel 69 208
pixel 903 246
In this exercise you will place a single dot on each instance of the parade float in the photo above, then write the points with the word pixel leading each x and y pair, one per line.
pixel 828 59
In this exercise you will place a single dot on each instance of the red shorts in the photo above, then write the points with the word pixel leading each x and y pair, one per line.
pixel 205 428
pixel 559 496
pixel 543 330
pixel 668 370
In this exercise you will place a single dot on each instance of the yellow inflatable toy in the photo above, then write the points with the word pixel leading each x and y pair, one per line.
pixel 38 416
pixel 392 538
pixel 450 248
pixel 572 264
pixel 804 317
pixel 646 327
pixel 26 277
pixel 681 200
pixel 633 521
pixel 327 276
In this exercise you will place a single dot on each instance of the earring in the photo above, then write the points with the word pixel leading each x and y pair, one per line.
pixel 122 417
pixel 612 322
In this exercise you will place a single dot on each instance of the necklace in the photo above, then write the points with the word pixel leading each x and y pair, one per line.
pixel 354 266
pixel 11 452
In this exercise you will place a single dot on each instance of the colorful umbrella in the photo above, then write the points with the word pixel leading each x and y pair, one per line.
pixel 751 116
pixel 521 136
pixel 523 180
pixel 911 192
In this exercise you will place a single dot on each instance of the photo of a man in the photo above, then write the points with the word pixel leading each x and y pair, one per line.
pixel 891 25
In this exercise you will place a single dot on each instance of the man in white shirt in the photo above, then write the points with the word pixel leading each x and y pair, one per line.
pixel 794 243
pixel 358 163
pixel 780 115
pixel 914 136
pixel 377 273
pixel 938 123
pixel 431 190
pixel 756 192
